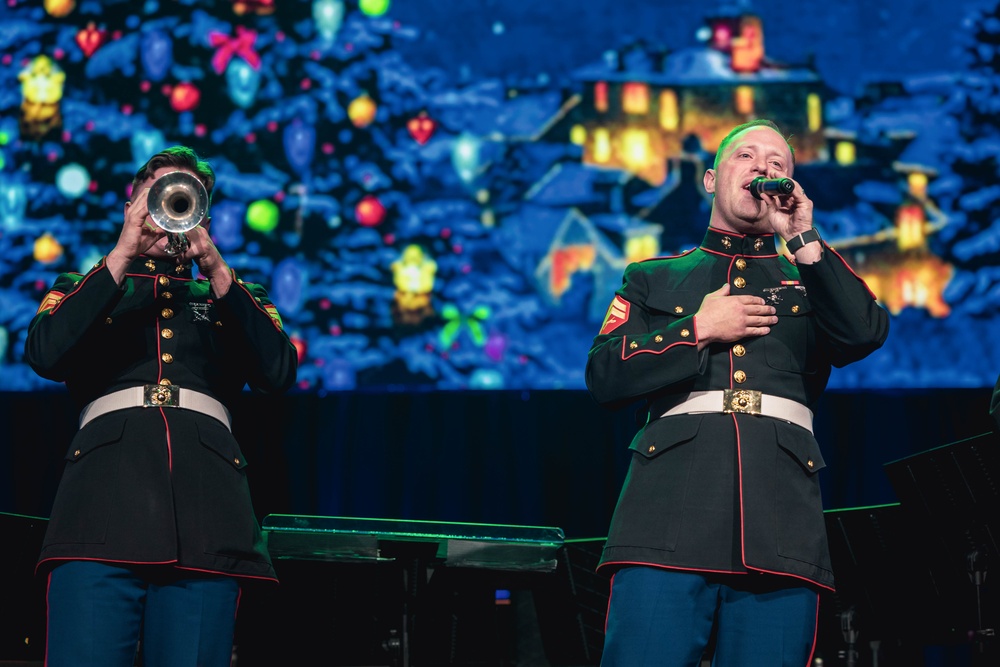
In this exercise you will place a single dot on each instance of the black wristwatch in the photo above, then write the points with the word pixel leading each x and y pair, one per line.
pixel 793 244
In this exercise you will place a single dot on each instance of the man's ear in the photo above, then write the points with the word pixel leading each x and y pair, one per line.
pixel 709 181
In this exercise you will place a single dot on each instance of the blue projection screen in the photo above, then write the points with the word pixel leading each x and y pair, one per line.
pixel 445 195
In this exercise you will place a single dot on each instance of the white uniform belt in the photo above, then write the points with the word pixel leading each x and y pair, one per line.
pixel 746 401
pixel 156 396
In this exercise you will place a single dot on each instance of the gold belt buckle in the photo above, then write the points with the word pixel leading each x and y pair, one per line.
pixel 741 400
pixel 160 395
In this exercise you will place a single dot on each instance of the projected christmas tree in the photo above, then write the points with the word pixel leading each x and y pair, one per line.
pixel 346 182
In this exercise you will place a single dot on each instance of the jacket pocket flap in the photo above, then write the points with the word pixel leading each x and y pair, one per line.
pixel 662 434
pixel 801 445
pixel 94 435
pixel 217 438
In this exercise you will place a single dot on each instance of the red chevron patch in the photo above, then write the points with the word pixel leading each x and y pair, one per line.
pixel 617 314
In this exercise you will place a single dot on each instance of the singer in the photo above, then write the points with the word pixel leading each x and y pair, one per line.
pixel 153 534
pixel 719 528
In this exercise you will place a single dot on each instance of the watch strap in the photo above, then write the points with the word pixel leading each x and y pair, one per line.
pixel 793 244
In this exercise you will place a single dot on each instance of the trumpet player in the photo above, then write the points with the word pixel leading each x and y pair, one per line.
pixel 152 531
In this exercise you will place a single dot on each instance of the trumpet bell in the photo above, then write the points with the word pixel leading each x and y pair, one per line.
pixel 177 202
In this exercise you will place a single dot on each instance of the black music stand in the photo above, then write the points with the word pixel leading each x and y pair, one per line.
pixel 952 494
pixel 884 588
pixel 380 550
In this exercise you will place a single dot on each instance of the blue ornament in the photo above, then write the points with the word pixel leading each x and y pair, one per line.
pixel 242 83
pixel 300 144
pixel 227 224
pixel 287 283
pixel 328 15
pixel 145 144
pixel 13 203
pixel 157 54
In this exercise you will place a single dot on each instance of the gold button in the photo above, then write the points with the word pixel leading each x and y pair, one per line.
pixel 239 280
pixel 740 281
pixel 165 381
pixel 167 333
pixel 685 333
pixel 167 295
pixel 257 299
pixel 236 461
pixel 76 453
pixel 658 339
pixel 633 345
pixel 652 448
pixel 678 309
pixel 107 321
pixel 167 358
pixel 167 313
pixel 163 280
pixel 740 377
pixel 218 324
pixel 739 350
pixel 795 309
pixel 741 264
pixel 810 463
pixel 76 282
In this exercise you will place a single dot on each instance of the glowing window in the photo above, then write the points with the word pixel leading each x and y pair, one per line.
pixel 602 145
pixel 578 135
pixel 743 100
pixel 635 148
pixel 601 95
pixel 635 98
pixel 814 111
pixel 669 114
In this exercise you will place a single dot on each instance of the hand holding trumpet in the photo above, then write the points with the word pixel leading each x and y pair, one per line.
pixel 168 219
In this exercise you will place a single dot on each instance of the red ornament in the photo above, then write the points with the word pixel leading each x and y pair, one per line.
pixel 421 127
pixel 90 39
pixel 301 347
pixel 184 97
pixel 369 212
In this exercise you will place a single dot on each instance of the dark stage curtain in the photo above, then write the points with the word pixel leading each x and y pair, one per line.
pixel 551 458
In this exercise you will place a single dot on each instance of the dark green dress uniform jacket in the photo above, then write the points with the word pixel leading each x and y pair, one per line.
pixel 728 493
pixel 148 484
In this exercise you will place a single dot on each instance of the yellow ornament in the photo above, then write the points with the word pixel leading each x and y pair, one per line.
pixel 59 8
pixel 361 111
pixel 47 249
pixel 42 81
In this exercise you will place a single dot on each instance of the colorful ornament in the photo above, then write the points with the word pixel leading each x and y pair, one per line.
pixel 59 8
pixel 258 7
pixel 361 111
pixel 374 7
pixel 41 90
pixel 90 39
pixel 328 15
pixel 421 127
pixel 288 284
pixel 299 141
pixel 156 54
pixel 226 47
pixel 369 212
pixel 465 156
pixel 242 83
pixel 47 249
pixel 262 216
pixel 13 203
pixel 301 347
pixel 145 143
pixel 72 180
pixel 227 224
pixel 455 322
pixel 184 97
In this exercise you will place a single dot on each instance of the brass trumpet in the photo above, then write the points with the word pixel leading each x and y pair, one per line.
pixel 177 203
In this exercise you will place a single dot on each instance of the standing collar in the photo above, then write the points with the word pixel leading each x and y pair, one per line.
pixel 731 243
